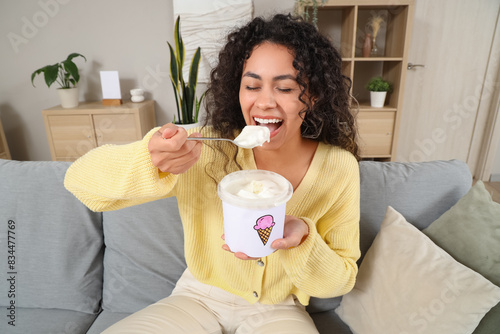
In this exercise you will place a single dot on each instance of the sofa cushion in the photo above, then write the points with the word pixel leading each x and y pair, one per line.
pixel 55 244
pixel 470 232
pixel 53 321
pixel 144 255
pixel 407 284
pixel 420 191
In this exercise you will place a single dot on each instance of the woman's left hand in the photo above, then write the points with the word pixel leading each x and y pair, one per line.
pixel 295 232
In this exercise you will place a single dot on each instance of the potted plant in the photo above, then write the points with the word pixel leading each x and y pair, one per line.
pixel 301 8
pixel 378 88
pixel 188 104
pixel 65 73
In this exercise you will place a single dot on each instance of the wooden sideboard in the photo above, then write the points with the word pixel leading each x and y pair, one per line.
pixel 72 132
pixel 4 148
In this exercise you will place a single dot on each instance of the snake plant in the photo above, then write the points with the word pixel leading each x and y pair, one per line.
pixel 188 104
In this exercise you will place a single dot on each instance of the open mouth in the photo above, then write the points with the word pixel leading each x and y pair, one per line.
pixel 272 124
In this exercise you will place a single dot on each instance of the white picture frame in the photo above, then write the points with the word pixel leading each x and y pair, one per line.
pixel 110 83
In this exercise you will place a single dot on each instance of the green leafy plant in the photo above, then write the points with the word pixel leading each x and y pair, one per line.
pixel 308 9
pixel 378 84
pixel 65 73
pixel 185 92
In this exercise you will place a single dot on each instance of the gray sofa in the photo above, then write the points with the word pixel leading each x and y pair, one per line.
pixel 66 269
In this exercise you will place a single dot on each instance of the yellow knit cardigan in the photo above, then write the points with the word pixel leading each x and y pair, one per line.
pixel 112 177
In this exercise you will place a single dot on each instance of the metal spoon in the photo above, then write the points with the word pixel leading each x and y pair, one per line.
pixel 251 136
pixel 229 140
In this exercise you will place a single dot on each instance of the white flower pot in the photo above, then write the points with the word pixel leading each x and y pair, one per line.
pixel 68 97
pixel 190 125
pixel 377 99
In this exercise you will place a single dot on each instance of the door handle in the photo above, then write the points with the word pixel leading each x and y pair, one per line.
pixel 412 66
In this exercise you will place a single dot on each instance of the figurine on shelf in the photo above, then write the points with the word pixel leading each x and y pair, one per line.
pixel 137 95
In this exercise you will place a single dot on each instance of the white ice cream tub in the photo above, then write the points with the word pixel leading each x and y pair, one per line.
pixel 252 222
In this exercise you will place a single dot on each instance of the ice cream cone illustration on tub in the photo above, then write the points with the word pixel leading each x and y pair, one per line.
pixel 264 226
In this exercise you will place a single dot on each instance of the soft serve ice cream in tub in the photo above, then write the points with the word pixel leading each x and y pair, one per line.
pixel 254 204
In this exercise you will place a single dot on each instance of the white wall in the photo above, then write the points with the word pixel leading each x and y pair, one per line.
pixel 267 7
pixel 125 35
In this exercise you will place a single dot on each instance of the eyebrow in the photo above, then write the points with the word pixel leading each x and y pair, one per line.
pixel 276 78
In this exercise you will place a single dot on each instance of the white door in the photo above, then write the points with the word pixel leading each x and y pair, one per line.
pixel 444 103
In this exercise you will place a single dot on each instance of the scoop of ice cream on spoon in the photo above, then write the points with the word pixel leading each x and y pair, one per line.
pixel 251 136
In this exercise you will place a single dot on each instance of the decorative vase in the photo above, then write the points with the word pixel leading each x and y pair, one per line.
pixel 68 97
pixel 367 45
pixel 374 51
pixel 377 99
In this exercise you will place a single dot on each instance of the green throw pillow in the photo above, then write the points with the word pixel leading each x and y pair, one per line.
pixel 470 232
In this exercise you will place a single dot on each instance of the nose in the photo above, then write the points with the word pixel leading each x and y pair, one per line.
pixel 265 100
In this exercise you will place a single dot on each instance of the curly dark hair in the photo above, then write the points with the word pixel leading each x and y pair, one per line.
pixel 319 65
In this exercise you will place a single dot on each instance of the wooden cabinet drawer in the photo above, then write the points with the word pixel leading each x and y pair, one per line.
pixel 116 129
pixel 71 135
pixel 376 129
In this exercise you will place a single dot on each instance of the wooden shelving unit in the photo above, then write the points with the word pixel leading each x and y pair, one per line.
pixel 72 132
pixel 346 23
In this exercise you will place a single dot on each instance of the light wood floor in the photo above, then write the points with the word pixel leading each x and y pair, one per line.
pixel 494 189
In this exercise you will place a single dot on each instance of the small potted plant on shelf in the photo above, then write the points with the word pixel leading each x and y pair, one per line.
pixel 65 73
pixel 378 88
pixel 188 104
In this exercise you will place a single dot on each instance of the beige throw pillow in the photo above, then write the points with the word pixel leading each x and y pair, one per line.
pixel 406 284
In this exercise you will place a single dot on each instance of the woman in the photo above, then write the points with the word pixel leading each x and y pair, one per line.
pixel 284 75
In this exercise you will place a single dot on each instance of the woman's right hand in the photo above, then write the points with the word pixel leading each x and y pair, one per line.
pixel 171 152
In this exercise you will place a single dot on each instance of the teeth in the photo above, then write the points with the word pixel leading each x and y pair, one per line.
pixel 267 121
